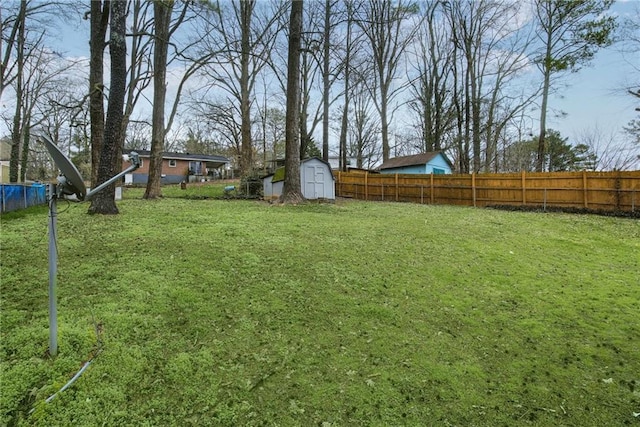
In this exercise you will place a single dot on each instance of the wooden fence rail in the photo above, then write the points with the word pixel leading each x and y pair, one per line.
pixel 609 191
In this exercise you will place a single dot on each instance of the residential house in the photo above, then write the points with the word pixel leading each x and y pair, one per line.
pixel 5 156
pixel 178 167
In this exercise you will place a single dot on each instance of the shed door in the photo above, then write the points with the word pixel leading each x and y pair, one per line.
pixel 314 182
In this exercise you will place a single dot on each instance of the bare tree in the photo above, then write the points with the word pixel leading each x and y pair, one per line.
pixel 99 21
pixel 162 19
pixel 347 67
pixel 331 16
pixel 43 74
pixel 431 88
pixel 310 71
pixel 611 151
pixel 292 192
pixel 272 126
pixel 364 129
pixel 475 26
pixel 221 120
pixel 14 40
pixel 628 40
pixel 17 129
pixel 185 52
pixel 141 43
pixel 385 24
pixel 104 201
pixel 138 136
pixel 30 69
pixel 326 81
pixel 243 33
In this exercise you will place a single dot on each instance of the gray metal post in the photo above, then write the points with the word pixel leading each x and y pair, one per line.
pixel 53 271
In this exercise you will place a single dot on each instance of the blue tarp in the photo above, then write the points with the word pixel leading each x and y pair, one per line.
pixel 20 196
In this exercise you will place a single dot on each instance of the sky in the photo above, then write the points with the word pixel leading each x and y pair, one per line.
pixel 594 96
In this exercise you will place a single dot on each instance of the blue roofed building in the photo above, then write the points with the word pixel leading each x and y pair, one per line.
pixel 435 162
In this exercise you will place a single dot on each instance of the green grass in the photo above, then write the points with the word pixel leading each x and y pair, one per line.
pixel 193 191
pixel 215 312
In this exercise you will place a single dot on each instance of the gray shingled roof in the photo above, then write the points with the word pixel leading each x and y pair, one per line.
pixel 416 159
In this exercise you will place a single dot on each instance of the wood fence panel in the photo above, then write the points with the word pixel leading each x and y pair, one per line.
pixel 452 189
pixel 498 189
pixel 593 190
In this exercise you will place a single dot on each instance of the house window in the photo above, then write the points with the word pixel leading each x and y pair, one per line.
pixel 172 163
pixel 438 171
pixel 195 168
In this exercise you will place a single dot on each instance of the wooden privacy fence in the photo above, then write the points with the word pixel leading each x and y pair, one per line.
pixel 610 191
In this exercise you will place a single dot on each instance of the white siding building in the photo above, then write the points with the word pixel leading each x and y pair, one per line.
pixel 316 181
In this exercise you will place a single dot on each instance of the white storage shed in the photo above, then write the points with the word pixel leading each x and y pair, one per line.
pixel 316 181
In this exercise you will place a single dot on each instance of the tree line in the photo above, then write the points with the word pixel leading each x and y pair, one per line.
pixel 375 79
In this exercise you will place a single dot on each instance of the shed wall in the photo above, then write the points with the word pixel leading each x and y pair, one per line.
pixel 267 187
pixel 413 169
pixel 316 181
pixel 440 163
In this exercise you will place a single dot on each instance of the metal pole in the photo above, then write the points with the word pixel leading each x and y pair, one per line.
pixel 114 178
pixel 53 271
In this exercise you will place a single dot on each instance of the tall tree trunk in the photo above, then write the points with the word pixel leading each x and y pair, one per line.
pixel 325 82
pixel 16 131
pixel 104 201
pixel 26 136
pixel 384 127
pixel 246 155
pixel 99 21
pixel 542 145
pixel 292 192
pixel 162 18
pixel 345 110
pixel 305 138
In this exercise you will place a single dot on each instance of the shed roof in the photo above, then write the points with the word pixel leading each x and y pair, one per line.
pixel 278 175
pixel 416 159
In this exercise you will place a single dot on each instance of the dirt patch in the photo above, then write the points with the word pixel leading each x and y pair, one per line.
pixel 573 210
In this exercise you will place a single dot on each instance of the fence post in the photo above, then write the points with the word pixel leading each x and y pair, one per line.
pixel 524 189
pixel 422 194
pixel 585 188
pixel 431 189
pixel 366 185
pixel 473 188
pixel 396 179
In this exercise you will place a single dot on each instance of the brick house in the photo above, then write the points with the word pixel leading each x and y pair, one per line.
pixel 178 167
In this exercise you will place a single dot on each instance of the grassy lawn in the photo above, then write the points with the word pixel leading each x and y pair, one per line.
pixel 214 312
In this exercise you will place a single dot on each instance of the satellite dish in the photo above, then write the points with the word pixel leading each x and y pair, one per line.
pixel 70 181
